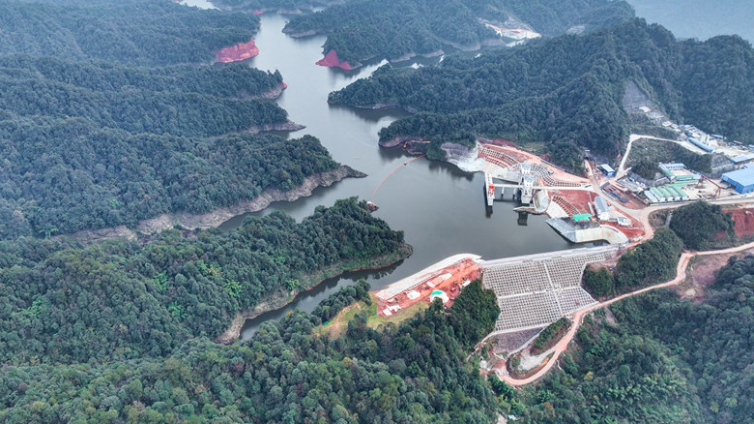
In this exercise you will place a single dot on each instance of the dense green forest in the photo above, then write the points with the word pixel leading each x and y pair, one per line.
pixel 139 100
pixel 233 80
pixel 63 302
pixel 652 262
pixel 698 223
pixel 120 331
pixel 413 373
pixel 139 32
pixel 90 144
pixel 712 339
pixel 613 376
pixel 333 304
pixel 363 29
pixel 568 90
pixel 65 175
pixel 281 6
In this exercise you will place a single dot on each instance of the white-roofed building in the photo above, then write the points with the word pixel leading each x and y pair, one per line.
pixel 603 210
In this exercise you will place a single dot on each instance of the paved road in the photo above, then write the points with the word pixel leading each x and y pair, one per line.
pixel 562 345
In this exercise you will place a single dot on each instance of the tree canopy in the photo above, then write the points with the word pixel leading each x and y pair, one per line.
pixel 363 29
pixel 116 300
pixel 697 223
pixel 142 32
pixel 567 90
pixel 413 372
pixel 89 143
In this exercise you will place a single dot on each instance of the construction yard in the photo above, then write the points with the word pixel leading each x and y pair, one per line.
pixel 443 280
pixel 570 201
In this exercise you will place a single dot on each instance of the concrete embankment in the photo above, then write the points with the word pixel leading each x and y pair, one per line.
pixel 585 232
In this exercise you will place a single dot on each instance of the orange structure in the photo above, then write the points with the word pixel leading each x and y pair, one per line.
pixel 448 276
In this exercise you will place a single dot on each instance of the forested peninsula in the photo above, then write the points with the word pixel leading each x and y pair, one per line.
pixel 568 90
pixel 397 29
pixel 92 145
pixel 99 130
pixel 116 300
pixel 274 6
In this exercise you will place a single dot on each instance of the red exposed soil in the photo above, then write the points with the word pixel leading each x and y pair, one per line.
pixel 257 12
pixel 744 221
pixel 331 61
pixel 465 270
pixel 578 199
pixel 241 51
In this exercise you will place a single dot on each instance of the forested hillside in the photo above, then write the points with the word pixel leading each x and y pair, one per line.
pixel 227 81
pixel 93 145
pixel 614 376
pixel 568 90
pixel 713 339
pixel 140 32
pixel 63 302
pixel 136 101
pixel 363 29
pixel 89 143
pixel 281 6
pixel 700 222
pixel 413 373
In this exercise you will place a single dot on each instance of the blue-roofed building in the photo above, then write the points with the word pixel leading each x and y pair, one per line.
pixel 742 180
pixel 742 159
pixel 701 145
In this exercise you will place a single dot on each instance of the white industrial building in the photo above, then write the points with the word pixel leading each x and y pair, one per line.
pixel 603 211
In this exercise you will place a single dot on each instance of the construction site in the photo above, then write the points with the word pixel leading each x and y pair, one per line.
pixel 443 280
pixel 575 209
pixel 532 291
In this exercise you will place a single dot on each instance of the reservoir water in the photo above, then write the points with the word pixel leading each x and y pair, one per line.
pixel 440 208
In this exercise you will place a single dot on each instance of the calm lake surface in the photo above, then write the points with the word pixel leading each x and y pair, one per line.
pixel 440 208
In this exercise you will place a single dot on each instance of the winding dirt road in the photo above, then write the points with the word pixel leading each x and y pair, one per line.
pixel 562 345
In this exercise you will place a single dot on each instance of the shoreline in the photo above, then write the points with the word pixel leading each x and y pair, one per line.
pixel 220 215
pixel 270 94
pixel 279 300
pixel 280 126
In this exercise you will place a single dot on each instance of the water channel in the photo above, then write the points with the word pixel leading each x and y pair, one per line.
pixel 440 208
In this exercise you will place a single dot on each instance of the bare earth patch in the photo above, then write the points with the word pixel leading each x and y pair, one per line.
pixel 339 323
pixel 701 274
